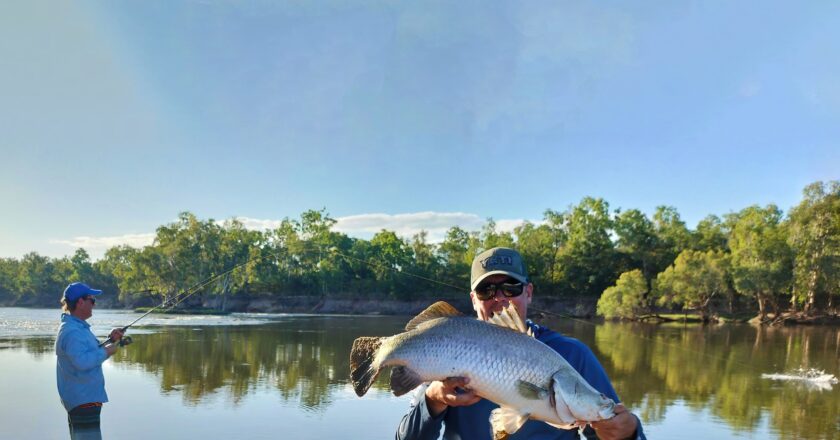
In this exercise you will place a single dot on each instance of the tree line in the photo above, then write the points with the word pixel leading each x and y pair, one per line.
pixel 758 258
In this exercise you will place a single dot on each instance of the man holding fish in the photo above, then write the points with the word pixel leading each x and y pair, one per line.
pixel 494 382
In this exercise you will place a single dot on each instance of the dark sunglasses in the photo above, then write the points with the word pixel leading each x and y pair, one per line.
pixel 90 298
pixel 510 290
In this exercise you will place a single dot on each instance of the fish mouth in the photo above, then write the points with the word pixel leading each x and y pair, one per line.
pixel 607 409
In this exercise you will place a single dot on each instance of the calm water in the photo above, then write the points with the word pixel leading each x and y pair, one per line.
pixel 261 376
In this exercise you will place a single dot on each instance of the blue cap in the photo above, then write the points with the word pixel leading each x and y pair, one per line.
pixel 74 291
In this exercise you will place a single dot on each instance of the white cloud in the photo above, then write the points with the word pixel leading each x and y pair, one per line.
pixel 361 226
pixel 97 245
pixel 256 224
pixel 405 225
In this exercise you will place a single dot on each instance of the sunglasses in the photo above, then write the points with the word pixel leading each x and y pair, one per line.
pixel 91 299
pixel 509 290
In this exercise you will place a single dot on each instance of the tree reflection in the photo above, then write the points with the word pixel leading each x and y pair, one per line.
pixel 305 360
pixel 719 368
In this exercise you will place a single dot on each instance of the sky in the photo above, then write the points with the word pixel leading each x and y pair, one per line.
pixel 115 116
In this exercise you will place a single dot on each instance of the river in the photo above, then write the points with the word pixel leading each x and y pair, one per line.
pixel 269 376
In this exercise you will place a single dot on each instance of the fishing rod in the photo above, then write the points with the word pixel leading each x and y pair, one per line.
pixel 172 302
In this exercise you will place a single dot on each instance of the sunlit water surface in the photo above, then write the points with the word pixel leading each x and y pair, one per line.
pixel 268 376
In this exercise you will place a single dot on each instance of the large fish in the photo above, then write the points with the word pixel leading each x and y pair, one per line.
pixel 526 378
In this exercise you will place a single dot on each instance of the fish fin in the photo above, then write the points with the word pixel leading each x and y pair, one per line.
pixel 403 380
pixel 362 370
pixel 505 421
pixel 531 391
pixel 509 318
pixel 440 309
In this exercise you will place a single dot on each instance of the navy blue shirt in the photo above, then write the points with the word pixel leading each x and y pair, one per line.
pixel 473 422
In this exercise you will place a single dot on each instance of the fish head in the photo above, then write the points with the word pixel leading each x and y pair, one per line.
pixel 574 396
pixel 606 409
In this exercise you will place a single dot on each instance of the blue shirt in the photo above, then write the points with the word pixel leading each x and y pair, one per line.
pixel 473 422
pixel 79 364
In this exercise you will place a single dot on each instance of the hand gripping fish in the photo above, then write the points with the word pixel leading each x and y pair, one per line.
pixel 504 363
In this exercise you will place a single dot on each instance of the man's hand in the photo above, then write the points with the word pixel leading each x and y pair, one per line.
pixel 451 392
pixel 110 349
pixel 620 427
pixel 116 334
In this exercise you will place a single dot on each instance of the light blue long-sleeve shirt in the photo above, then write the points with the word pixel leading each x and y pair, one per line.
pixel 79 364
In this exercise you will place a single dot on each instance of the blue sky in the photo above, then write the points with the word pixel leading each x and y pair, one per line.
pixel 116 116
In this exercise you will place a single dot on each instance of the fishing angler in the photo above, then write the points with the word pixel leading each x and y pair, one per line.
pixel 80 355
pixel 81 384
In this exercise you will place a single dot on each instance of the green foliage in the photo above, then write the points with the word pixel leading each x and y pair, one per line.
pixel 693 281
pixel 638 242
pixel 756 253
pixel 710 235
pixel 391 255
pixel 9 268
pixel 815 239
pixel 626 299
pixel 761 257
pixel 587 257
pixel 492 238
pixel 539 247
pixel 672 234
pixel 457 251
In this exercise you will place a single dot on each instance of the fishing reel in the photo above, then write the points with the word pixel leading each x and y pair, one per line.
pixel 125 341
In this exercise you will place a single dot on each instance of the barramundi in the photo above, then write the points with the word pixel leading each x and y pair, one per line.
pixel 503 361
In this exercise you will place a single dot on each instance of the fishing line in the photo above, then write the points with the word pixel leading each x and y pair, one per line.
pixel 544 312
pixel 431 280
pixel 172 302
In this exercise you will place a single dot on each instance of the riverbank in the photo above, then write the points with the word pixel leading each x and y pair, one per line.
pixel 580 308
pixel 575 307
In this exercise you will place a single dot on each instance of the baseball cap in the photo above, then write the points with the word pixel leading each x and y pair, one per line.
pixel 497 261
pixel 74 291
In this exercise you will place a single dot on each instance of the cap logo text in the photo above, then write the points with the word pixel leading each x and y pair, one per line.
pixel 497 260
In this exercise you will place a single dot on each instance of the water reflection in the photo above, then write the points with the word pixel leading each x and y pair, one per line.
pixel 716 369
pixel 38 347
pixel 719 368
pixel 304 359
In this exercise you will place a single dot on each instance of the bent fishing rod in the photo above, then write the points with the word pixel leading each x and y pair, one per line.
pixel 172 302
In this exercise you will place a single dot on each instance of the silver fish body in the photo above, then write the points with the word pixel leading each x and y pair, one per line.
pixel 527 378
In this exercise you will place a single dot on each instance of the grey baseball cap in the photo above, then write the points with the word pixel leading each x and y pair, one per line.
pixel 496 261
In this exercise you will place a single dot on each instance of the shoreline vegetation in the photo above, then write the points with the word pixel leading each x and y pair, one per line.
pixel 759 264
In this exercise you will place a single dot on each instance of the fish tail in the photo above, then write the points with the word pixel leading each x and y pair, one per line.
pixel 362 370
